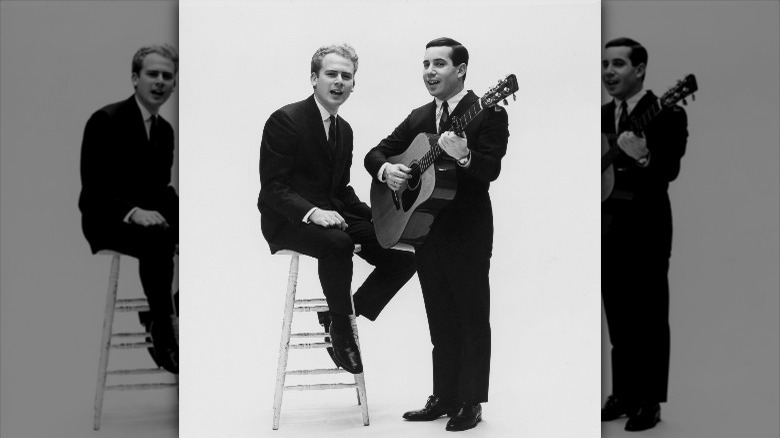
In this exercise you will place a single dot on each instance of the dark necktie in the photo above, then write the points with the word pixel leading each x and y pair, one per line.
pixel 332 133
pixel 154 131
pixel 444 121
pixel 623 124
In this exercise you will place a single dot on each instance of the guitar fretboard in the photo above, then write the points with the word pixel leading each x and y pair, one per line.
pixel 458 124
pixel 637 124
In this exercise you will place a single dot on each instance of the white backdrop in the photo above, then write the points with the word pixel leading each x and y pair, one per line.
pixel 243 60
pixel 724 286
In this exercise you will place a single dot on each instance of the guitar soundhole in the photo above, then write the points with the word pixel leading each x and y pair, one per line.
pixel 414 182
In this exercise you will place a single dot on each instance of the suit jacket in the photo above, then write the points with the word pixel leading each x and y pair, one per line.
pixel 299 170
pixel 467 220
pixel 120 170
pixel 649 208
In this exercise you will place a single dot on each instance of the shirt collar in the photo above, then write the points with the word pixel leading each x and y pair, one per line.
pixel 453 101
pixel 631 101
pixel 144 112
pixel 324 114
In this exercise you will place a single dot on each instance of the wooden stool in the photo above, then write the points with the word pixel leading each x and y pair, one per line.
pixel 309 305
pixel 121 305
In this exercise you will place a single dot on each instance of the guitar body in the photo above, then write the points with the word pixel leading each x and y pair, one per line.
pixel 407 217
pixel 608 174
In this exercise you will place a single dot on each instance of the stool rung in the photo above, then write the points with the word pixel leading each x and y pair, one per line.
pixel 322 301
pixel 316 371
pixel 310 309
pixel 320 386
pixel 137 371
pixel 308 345
pixel 132 308
pixel 130 334
pixel 129 345
pixel 141 386
pixel 131 301
pixel 308 335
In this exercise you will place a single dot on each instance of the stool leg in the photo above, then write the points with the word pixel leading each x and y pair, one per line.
pixel 105 343
pixel 284 344
pixel 360 379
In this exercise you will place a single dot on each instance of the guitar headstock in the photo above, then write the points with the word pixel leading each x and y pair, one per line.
pixel 504 88
pixel 684 88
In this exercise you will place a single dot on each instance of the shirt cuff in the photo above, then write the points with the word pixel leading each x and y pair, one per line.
pixel 130 213
pixel 306 218
pixel 382 172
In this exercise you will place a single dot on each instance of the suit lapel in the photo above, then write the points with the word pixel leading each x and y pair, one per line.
pixel 316 127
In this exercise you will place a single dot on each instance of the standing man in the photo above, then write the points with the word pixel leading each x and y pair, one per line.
pixel 637 245
pixel 127 201
pixel 307 205
pixel 454 261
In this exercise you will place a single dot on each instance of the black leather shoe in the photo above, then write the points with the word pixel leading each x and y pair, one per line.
pixel 345 350
pixel 324 318
pixel 467 418
pixel 646 417
pixel 145 318
pixel 434 408
pixel 166 347
pixel 615 408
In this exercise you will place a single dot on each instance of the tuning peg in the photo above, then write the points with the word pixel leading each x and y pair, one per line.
pixel 685 102
pixel 505 102
pixel 693 97
pixel 514 97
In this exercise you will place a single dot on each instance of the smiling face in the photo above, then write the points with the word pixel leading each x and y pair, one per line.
pixel 334 82
pixel 441 77
pixel 621 78
pixel 155 82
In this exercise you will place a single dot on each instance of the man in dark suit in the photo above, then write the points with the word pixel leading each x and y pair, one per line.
pixel 636 246
pixel 127 201
pixel 453 263
pixel 307 205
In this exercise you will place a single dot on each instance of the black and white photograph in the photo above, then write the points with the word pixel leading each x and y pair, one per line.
pixel 689 257
pixel 88 188
pixel 518 238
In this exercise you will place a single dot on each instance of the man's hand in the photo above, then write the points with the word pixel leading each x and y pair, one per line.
pixel 148 218
pixel 635 147
pixel 454 145
pixel 396 175
pixel 328 219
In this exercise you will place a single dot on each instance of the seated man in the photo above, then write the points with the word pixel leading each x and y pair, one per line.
pixel 307 205
pixel 127 201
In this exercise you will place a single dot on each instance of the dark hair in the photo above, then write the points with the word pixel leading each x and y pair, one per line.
pixel 459 54
pixel 638 53
pixel 164 50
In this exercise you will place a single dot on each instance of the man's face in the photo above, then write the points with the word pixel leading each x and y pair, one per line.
pixel 334 82
pixel 442 79
pixel 621 79
pixel 156 81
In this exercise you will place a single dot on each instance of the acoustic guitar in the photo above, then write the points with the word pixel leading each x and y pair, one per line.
pixel 609 148
pixel 406 215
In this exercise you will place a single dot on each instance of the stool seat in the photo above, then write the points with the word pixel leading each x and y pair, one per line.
pixel 124 341
pixel 293 305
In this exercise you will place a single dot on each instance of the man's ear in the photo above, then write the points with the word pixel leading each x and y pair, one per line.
pixel 134 79
pixel 640 70
pixel 462 70
pixel 313 78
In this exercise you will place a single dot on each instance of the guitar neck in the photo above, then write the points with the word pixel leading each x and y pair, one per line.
pixel 459 124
